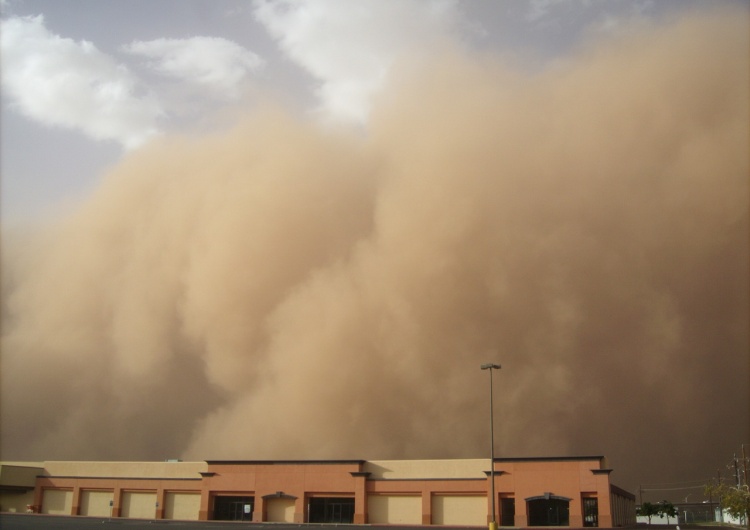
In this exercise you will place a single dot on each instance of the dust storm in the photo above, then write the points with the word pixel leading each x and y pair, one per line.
pixel 285 290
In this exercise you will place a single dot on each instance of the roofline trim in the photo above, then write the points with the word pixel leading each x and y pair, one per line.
pixel 283 462
pixel 600 458
pixel 112 477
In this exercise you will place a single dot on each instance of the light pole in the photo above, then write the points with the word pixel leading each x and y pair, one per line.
pixel 491 366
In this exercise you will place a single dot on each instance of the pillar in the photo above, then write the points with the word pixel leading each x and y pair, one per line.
pixel 116 501
pixel 38 496
pixel 299 509
pixel 575 515
pixel 360 496
pixel 205 504
pixel 259 511
pixel 160 496
pixel 522 516
pixel 76 503
pixel 603 496
pixel 426 507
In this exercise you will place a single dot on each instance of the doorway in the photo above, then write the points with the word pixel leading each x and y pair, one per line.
pixel 331 510
pixel 507 511
pixel 233 508
pixel 549 511
pixel 590 511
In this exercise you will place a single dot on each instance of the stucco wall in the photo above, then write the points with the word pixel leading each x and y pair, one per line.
pixel 16 501
pixel 427 469
pixel 17 480
pixel 395 509
pixel 125 469
pixel 20 473
pixel 57 501
pixel 139 504
pixel 459 509
pixel 182 505
pixel 96 502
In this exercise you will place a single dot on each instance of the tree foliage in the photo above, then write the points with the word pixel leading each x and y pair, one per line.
pixel 647 510
pixel 666 509
pixel 662 509
pixel 734 499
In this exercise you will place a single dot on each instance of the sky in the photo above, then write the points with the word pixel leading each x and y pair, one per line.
pixel 256 229
pixel 86 81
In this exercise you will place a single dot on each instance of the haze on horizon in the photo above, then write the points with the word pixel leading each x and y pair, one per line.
pixel 285 287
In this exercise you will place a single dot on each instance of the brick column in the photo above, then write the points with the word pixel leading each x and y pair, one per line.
pixel 360 496
pixel 76 503
pixel 117 500
pixel 603 496
pixel 522 517
pixel 259 510
pixel 299 509
pixel 160 496
pixel 38 496
pixel 575 516
pixel 205 503
pixel 206 479
pixel 426 507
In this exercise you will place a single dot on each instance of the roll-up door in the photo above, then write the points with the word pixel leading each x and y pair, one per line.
pixel 57 502
pixel 138 505
pixel 394 509
pixel 182 505
pixel 459 509
pixel 96 503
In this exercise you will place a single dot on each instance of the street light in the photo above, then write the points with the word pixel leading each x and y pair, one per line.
pixel 491 366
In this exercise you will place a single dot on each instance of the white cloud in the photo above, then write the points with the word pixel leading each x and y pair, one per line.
pixel 60 82
pixel 349 46
pixel 214 63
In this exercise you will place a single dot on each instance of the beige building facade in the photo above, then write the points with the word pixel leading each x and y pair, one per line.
pixel 568 491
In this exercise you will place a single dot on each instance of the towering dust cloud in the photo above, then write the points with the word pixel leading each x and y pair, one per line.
pixel 281 291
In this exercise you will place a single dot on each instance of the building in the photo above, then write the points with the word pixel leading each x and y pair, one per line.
pixel 568 491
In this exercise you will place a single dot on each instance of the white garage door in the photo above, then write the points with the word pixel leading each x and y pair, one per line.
pixel 394 509
pixel 181 505
pixel 138 505
pixel 96 503
pixel 58 502
pixel 459 509
pixel 280 510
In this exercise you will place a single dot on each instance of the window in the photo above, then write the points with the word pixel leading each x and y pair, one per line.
pixel 331 510
pixel 548 511
pixel 233 508
pixel 590 511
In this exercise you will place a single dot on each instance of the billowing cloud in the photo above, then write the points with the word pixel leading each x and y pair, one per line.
pixel 214 63
pixel 350 46
pixel 63 83
pixel 283 291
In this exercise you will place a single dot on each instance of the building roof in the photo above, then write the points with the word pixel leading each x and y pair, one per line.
pixel 550 458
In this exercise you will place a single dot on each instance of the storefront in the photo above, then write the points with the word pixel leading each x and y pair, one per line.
pixel 568 491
